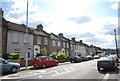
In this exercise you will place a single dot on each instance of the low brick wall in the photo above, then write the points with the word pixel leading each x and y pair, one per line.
pixel 22 62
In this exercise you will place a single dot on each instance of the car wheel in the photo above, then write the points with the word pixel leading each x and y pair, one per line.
pixel 44 66
pixel 13 70
pixel 98 69
pixel 70 61
pixel 56 63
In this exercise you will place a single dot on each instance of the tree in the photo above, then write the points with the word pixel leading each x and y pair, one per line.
pixel 43 51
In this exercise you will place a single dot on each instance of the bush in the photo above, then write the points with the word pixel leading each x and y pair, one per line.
pixel 53 55
pixel 5 56
pixel 14 55
pixel 39 54
pixel 43 51
pixel 61 55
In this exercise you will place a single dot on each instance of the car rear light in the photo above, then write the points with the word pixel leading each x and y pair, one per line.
pixel 111 63
pixel 98 63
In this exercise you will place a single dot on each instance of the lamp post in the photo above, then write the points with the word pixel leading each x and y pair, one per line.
pixel 27 37
pixel 116 44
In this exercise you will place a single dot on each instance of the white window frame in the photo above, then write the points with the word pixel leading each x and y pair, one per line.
pixel 38 40
pixel 15 37
pixel 64 44
pixel 26 39
pixel 45 41
pixel 58 43
pixel 67 45
pixel 53 43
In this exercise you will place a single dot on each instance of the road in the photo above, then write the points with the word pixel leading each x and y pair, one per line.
pixel 83 70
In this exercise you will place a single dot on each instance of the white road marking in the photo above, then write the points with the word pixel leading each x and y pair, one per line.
pixel 106 77
pixel 56 72
pixel 66 69
pixel 40 76
pixel 63 72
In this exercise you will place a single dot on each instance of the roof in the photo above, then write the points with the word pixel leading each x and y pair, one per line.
pixel 4 22
pixel 41 32
pixel 18 27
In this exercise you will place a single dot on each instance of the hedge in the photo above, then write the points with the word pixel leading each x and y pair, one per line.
pixel 11 56
pixel 53 55
pixel 61 55
pixel 15 55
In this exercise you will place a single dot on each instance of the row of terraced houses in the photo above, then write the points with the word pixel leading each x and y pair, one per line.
pixel 13 40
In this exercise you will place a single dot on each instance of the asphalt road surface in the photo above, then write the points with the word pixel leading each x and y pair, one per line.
pixel 84 70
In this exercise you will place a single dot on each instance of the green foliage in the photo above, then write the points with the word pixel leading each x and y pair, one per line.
pixel 53 55
pixel 11 56
pixel 14 55
pixel 5 56
pixel 39 54
pixel 79 54
pixel 61 55
pixel 43 51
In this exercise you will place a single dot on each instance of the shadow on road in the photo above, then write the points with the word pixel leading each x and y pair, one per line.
pixel 38 68
pixel 111 71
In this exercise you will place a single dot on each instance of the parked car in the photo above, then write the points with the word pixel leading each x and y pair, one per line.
pixel 96 56
pixel 6 66
pixel 90 57
pixel 44 61
pixel 84 58
pixel 75 59
pixel 106 62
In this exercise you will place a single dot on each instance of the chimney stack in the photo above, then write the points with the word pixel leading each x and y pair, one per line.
pixel 40 27
pixel 60 34
pixel 1 12
pixel 81 41
pixel 73 38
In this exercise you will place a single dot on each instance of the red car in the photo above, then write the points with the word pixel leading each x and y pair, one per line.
pixel 44 61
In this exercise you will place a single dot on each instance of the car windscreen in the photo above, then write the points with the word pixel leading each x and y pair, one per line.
pixel 38 58
pixel 106 58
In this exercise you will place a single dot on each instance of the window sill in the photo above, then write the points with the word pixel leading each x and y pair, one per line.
pixel 15 42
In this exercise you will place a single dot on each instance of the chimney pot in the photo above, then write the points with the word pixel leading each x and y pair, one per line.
pixel 81 41
pixel 60 34
pixel 73 38
pixel 40 27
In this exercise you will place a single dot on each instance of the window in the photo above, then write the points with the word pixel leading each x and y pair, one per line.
pixel 49 58
pixel 58 43
pixel 15 37
pixel 38 40
pixel 53 43
pixel 26 39
pixel 45 41
pixel 63 44
pixel 38 58
pixel 46 58
pixel 67 53
pixel 67 45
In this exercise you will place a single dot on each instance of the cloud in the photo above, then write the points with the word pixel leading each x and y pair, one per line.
pixel 114 6
pixel 72 21
pixel 80 20
pixel 109 29
pixel 18 14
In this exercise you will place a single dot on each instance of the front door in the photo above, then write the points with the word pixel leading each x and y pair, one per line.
pixel 29 54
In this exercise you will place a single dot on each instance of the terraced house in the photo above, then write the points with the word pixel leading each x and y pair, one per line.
pixel 3 34
pixel 55 44
pixel 65 42
pixel 16 40
pixel 41 40
pixel 13 40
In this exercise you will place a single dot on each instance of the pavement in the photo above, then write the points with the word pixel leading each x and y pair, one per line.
pixel 28 67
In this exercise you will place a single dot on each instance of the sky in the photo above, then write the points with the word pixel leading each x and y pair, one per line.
pixel 92 21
